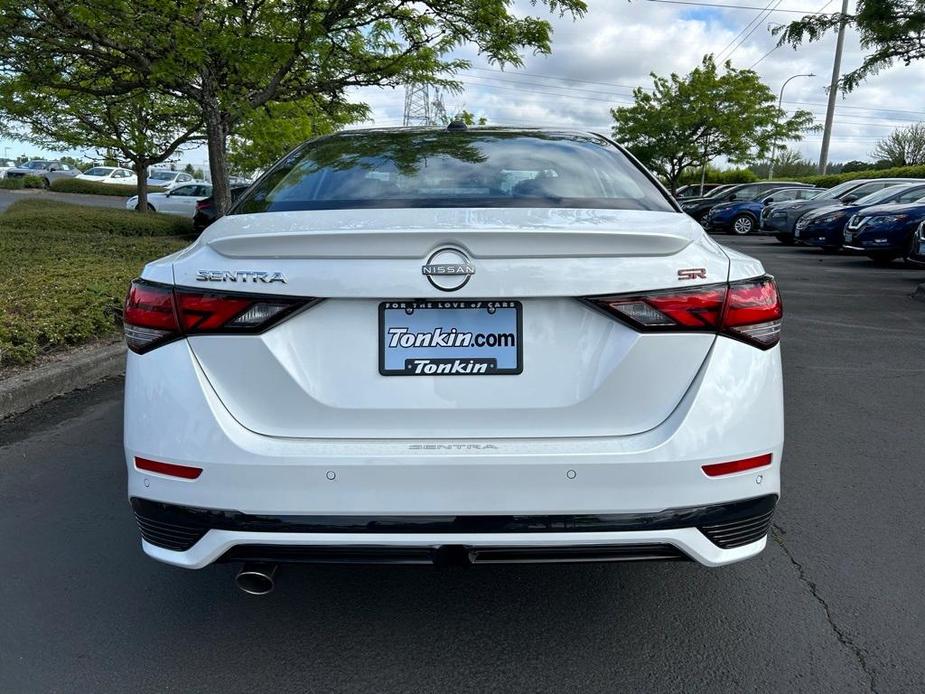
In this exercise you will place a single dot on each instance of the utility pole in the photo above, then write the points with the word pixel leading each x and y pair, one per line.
pixel 833 91
pixel 780 103
pixel 417 105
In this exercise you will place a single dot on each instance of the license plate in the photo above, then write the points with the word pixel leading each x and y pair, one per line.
pixel 450 338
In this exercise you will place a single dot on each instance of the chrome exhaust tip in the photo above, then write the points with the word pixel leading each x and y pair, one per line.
pixel 256 578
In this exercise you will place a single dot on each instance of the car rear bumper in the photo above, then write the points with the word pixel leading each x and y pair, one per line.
pixel 733 410
pixel 714 535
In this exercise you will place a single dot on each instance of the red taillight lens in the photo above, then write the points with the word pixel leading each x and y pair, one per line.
pixel 156 314
pixel 754 311
pixel 718 469
pixel 149 318
pixel 750 311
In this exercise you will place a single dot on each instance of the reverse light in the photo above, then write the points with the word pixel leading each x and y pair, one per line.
pixel 734 466
pixel 156 314
pixel 749 310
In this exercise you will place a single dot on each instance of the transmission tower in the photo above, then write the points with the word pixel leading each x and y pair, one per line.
pixel 417 105
pixel 423 106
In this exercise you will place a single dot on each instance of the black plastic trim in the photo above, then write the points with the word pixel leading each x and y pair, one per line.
pixel 698 516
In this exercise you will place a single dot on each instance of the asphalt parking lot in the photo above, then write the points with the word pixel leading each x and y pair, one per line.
pixel 835 603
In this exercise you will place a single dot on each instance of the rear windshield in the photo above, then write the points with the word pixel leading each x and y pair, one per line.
pixel 454 169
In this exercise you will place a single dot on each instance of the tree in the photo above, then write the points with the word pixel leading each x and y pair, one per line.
pixel 903 147
pixel 230 58
pixel 891 29
pixel 692 120
pixel 275 129
pixel 855 165
pixel 138 127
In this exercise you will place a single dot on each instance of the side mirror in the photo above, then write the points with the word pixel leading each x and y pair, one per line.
pixel 767 201
pixel 850 198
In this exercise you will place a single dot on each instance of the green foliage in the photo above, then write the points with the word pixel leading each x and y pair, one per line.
pixel 855 165
pixel 30 181
pixel 12 184
pixel 81 260
pixel 691 120
pixel 86 219
pixel 714 175
pixel 892 30
pixel 225 60
pixel 73 185
pixel 829 180
pixel 275 129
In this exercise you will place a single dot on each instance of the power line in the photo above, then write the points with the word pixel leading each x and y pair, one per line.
pixel 754 29
pixel 726 7
pixel 777 45
pixel 611 84
pixel 754 20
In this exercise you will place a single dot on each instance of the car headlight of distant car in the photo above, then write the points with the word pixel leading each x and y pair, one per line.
pixel 888 218
pixel 829 218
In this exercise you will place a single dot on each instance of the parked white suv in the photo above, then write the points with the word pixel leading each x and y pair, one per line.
pixel 461 346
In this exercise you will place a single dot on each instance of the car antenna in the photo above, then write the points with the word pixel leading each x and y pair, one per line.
pixel 456 126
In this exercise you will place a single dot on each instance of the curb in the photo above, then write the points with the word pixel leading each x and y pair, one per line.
pixel 60 375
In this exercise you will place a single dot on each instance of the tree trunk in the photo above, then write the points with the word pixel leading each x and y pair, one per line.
pixel 141 173
pixel 217 132
pixel 703 176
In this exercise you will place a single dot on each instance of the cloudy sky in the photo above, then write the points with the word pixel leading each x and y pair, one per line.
pixel 596 61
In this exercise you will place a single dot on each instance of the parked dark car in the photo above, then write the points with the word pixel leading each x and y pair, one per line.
pixel 698 207
pixel 741 217
pixel 693 190
pixel 205 208
pixel 825 227
pixel 780 219
pixel 884 232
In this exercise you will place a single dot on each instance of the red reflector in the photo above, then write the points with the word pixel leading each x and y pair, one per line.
pixel 184 471
pixel 717 469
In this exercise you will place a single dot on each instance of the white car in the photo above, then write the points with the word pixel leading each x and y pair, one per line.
pixel 6 165
pixel 109 174
pixel 463 346
pixel 165 178
pixel 180 200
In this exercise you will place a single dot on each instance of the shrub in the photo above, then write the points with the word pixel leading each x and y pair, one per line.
pixel 75 185
pixel 829 180
pixel 12 183
pixel 52 214
pixel 79 264
pixel 33 182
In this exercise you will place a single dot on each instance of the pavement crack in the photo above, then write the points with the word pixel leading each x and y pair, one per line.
pixel 846 641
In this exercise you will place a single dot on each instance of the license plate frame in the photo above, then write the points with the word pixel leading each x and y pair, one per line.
pixel 458 359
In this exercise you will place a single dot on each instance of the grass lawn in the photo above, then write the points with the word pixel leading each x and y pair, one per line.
pixel 64 271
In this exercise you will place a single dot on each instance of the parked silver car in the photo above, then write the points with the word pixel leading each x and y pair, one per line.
pixel 48 171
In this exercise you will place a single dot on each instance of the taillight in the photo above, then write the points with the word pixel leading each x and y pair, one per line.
pixel 749 310
pixel 156 314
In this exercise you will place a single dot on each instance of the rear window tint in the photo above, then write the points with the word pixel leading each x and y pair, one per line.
pixel 454 169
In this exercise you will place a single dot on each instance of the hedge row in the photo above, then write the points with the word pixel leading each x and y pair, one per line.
pixel 829 180
pixel 80 261
pixel 75 185
pixel 21 182
pixel 83 219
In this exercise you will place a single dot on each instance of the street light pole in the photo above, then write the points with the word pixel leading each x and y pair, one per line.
pixel 833 91
pixel 780 102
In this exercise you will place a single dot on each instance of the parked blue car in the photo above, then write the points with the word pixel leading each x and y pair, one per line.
pixel 917 254
pixel 825 227
pixel 741 216
pixel 884 232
